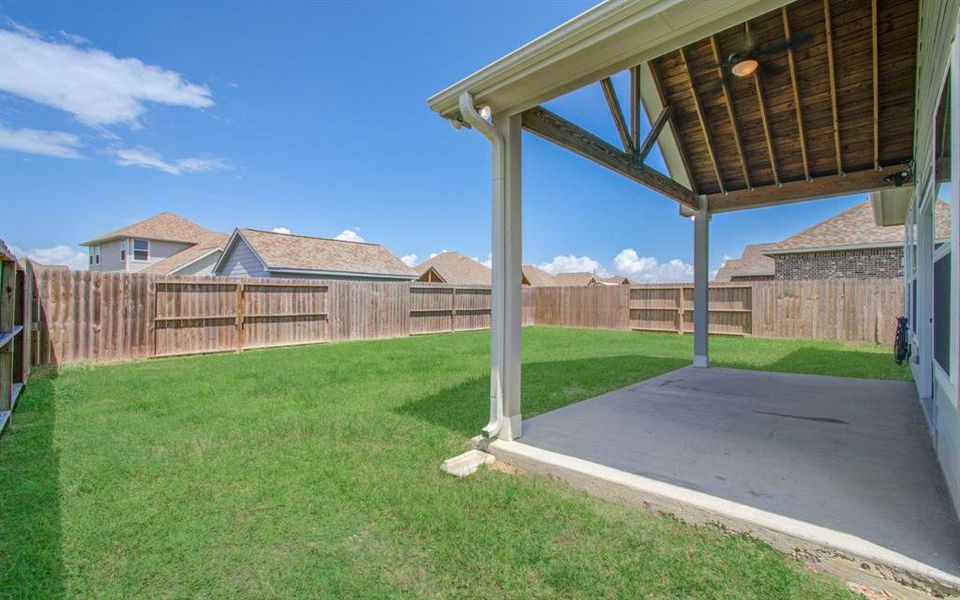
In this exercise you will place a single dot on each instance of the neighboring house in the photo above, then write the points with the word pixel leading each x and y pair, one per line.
pixel 614 280
pixel 256 253
pixel 753 265
pixel 165 243
pixel 455 268
pixel 849 245
pixel 537 277
pixel 576 279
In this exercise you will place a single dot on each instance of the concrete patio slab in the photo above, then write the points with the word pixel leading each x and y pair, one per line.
pixel 852 456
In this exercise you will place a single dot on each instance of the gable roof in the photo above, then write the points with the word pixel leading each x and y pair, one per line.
pixel 573 279
pixel 211 242
pixel 752 263
pixel 614 280
pixel 855 228
pixel 165 226
pixel 537 277
pixel 454 267
pixel 286 252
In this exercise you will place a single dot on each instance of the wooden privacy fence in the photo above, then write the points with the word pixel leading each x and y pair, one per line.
pixel 107 317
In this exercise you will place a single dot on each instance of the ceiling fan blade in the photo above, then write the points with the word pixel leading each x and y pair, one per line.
pixel 769 69
pixel 793 43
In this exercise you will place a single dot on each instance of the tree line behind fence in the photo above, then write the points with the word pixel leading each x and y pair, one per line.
pixel 108 317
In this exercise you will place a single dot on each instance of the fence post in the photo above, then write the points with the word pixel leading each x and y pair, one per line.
pixel 453 309
pixel 240 316
pixel 680 310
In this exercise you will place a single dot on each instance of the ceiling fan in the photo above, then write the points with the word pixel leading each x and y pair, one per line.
pixel 749 57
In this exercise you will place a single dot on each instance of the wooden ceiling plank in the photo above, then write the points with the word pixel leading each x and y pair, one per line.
pixel 728 101
pixel 876 85
pixel 617 113
pixel 702 118
pixel 651 139
pixel 833 85
pixel 565 134
pixel 635 107
pixel 796 97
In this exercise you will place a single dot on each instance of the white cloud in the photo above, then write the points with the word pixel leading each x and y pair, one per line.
pixel 282 230
pixel 487 263
pixel 56 255
pixel 648 269
pixel 571 264
pixel 94 86
pixel 349 235
pixel 432 254
pixel 409 259
pixel 148 159
pixel 35 141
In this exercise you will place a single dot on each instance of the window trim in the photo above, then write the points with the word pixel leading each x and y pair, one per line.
pixel 133 250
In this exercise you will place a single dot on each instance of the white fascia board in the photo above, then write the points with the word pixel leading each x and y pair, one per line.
pixel 598 43
pixel 355 274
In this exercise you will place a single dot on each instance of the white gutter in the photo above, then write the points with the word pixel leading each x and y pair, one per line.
pixel 470 115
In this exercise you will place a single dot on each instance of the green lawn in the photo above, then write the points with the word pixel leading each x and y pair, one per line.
pixel 314 471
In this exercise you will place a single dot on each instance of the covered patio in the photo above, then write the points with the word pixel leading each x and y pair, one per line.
pixel 751 103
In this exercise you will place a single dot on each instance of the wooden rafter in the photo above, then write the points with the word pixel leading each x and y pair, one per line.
pixel 767 135
pixel 876 85
pixel 661 94
pixel 651 138
pixel 796 97
pixel 833 85
pixel 635 106
pixel 558 130
pixel 728 101
pixel 703 119
pixel 617 113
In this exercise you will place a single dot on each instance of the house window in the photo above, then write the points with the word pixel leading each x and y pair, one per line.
pixel 123 255
pixel 141 250
pixel 96 255
pixel 942 201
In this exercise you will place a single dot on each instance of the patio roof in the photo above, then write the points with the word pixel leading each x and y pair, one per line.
pixel 830 116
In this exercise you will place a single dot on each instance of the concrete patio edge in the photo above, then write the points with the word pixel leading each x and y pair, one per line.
pixel 846 556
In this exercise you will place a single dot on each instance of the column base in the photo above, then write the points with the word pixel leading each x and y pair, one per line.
pixel 701 361
pixel 511 429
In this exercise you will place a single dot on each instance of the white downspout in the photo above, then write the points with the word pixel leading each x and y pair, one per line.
pixel 469 114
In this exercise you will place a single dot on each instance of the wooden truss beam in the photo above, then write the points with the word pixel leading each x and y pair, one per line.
pixel 651 139
pixel 674 129
pixel 876 85
pixel 617 113
pixel 833 85
pixel 728 101
pixel 767 135
pixel 702 118
pixel 558 130
pixel 796 97
pixel 635 106
pixel 800 190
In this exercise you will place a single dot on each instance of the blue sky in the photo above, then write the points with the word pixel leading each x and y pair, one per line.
pixel 311 116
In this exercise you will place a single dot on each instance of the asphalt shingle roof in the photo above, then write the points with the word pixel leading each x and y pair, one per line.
pixel 456 268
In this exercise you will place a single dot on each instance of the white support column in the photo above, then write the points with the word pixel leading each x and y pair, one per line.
pixel 955 221
pixel 701 285
pixel 505 350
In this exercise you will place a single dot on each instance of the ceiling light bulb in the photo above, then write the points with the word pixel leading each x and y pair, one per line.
pixel 485 112
pixel 745 67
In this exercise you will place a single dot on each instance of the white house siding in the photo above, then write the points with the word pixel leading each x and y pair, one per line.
pixel 110 257
pixel 158 251
pixel 241 262
pixel 204 266
pixel 938 21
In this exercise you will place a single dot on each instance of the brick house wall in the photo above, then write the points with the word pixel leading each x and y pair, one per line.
pixel 864 263
pixel 749 278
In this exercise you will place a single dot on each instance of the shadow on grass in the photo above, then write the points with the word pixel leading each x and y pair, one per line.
pixel 838 363
pixel 30 531
pixel 546 386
